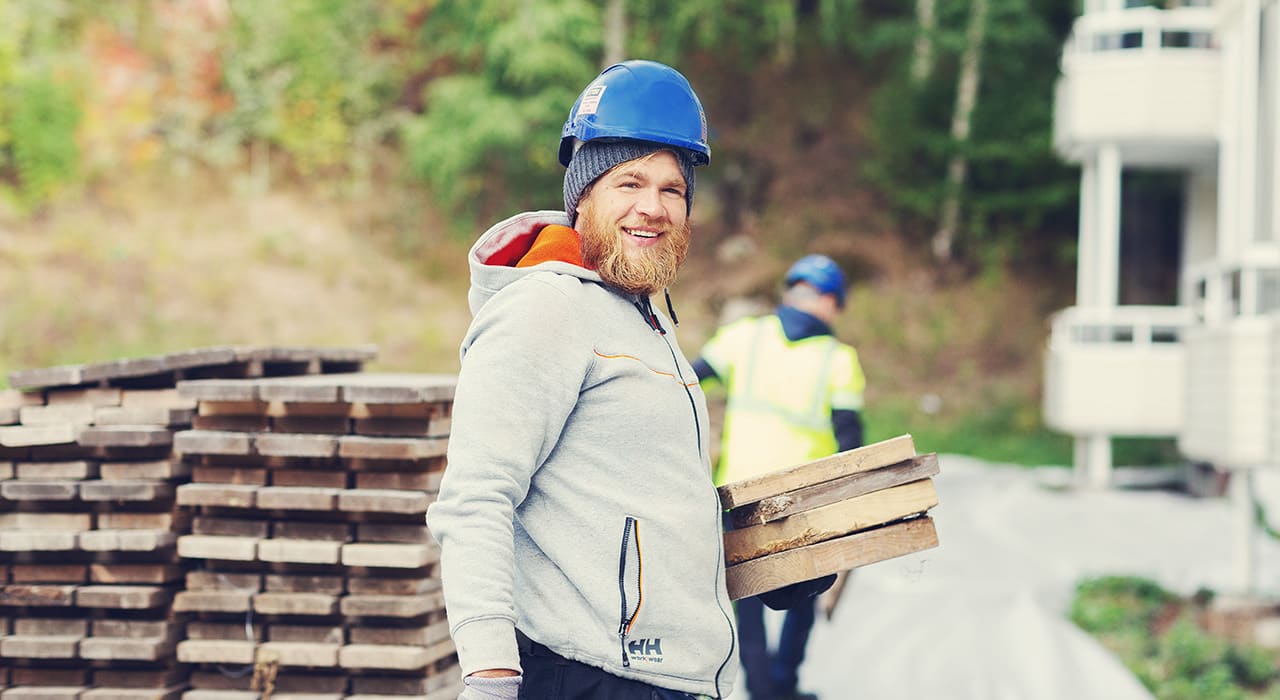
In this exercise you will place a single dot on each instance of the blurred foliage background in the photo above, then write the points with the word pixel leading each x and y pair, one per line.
pixel 176 173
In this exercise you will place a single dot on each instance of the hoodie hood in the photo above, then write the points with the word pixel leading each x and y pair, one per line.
pixel 512 249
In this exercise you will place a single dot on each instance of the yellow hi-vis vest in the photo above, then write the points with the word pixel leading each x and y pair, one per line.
pixel 780 395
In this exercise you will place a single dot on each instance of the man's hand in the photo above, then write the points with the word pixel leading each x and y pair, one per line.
pixel 499 684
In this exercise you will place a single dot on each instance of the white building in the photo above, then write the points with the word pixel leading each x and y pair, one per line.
pixel 1191 89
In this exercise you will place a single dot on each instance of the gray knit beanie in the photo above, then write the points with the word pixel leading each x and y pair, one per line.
pixel 595 158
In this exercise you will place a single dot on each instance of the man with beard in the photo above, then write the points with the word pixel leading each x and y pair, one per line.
pixel 578 523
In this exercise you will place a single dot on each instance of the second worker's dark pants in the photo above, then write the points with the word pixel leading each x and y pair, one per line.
pixel 776 674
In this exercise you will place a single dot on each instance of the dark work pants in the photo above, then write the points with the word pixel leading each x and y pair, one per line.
pixel 549 676
pixel 777 674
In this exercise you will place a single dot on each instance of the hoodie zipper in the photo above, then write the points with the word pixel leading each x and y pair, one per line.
pixel 630 545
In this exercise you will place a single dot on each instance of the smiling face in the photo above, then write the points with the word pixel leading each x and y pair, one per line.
pixel 634 223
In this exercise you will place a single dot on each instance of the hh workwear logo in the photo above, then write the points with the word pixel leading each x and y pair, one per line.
pixel 645 650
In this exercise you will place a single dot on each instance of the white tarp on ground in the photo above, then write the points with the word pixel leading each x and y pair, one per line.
pixel 984 616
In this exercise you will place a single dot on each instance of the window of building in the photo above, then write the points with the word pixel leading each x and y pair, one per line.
pixel 1117 41
pixel 1186 40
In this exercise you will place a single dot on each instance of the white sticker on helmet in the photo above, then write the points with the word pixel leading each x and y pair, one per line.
pixel 591 100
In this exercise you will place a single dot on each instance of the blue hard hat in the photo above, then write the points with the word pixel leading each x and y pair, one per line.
pixel 821 272
pixel 641 100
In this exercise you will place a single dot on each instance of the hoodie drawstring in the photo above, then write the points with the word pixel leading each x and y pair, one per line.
pixel 671 310
pixel 646 310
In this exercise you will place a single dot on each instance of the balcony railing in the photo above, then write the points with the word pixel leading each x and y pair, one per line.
pixel 1117 371
pixel 1141 77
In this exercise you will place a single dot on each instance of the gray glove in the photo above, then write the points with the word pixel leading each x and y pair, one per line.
pixel 502 688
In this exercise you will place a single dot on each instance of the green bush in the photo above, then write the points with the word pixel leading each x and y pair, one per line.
pixel 1176 662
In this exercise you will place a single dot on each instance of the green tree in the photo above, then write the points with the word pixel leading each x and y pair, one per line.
pixel 486 140
pixel 1015 186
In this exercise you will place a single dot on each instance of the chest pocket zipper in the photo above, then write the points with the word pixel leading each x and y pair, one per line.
pixel 630 587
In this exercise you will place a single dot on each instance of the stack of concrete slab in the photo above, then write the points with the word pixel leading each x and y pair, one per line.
pixel 315 571
pixel 844 511
pixel 88 524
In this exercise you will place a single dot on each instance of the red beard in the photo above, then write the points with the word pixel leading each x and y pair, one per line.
pixel 644 271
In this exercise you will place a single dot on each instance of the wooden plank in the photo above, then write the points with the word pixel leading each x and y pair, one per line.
pixel 384 501
pixel 38 595
pixel 296 445
pixel 400 480
pixel 212 602
pixel 352 446
pixel 201 580
pixel 392 605
pixel 155 574
pixel 830 521
pixel 33 435
pixel 297 498
pixel 142 521
pixel 39 490
pixel 210 408
pixel 153 470
pixel 164 416
pixel 50 627
pixel 49 573
pixel 126 491
pixel 233 527
pixel 239 424
pixel 126 540
pixel 323 478
pixel 93 396
pixel 63 522
pixel 385 532
pixel 255 476
pixel 311 530
pixel 123 649
pixel 862 459
pixel 74 470
pixel 805 563
pixel 307 654
pixel 45 676
pixel 215 651
pixel 228 495
pixel 131 597
pixel 139 678
pixel 231 631
pixel 421 635
pixel 316 634
pixel 126 436
pixel 57 414
pixel 212 442
pixel 392 556
pixel 304 583
pixel 19 646
pixel 104 692
pixel 167 397
pixel 295 604
pixel 327 425
pixel 398 427
pixel 38 541
pixel 300 551
pixel 384 657
pixel 383 585
pixel 218 547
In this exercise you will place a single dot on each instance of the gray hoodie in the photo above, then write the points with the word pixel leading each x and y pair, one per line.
pixel 578 504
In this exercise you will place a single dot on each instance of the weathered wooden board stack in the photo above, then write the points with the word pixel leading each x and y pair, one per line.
pixel 88 563
pixel 844 511
pixel 316 568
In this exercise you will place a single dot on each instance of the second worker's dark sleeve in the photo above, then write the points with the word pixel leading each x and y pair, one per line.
pixel 848 428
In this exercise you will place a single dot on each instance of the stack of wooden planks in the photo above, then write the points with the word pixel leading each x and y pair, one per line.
pixel 316 569
pixel 837 513
pixel 88 525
